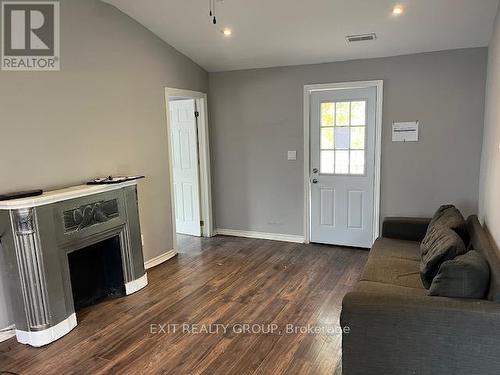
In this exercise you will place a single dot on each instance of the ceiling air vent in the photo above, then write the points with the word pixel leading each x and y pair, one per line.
pixel 361 37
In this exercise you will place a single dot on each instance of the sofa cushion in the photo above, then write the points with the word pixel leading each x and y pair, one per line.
pixel 389 290
pixel 388 247
pixel 394 262
pixel 450 217
pixel 466 276
pixel 439 245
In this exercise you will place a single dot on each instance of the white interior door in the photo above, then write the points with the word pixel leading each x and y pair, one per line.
pixel 185 166
pixel 342 171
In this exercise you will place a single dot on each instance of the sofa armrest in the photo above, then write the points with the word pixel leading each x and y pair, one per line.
pixel 404 333
pixel 405 228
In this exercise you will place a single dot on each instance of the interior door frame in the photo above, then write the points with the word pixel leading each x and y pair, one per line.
pixel 308 91
pixel 204 155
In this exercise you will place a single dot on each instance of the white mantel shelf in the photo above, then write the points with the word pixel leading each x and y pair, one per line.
pixel 61 195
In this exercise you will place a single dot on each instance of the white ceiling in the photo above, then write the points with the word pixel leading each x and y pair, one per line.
pixel 289 32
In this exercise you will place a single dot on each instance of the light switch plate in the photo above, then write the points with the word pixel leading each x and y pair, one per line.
pixel 292 155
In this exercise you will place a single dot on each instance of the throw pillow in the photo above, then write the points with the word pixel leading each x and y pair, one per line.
pixel 466 276
pixel 450 217
pixel 439 245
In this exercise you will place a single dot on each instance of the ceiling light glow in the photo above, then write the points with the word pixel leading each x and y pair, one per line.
pixel 227 32
pixel 398 9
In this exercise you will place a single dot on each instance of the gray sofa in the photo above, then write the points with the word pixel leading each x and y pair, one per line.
pixel 396 328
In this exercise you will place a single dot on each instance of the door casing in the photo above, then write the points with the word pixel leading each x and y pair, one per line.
pixel 308 90
pixel 204 155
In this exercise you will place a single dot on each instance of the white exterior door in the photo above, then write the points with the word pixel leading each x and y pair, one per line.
pixel 185 165
pixel 342 166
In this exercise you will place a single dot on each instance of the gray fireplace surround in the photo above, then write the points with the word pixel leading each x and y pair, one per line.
pixel 38 233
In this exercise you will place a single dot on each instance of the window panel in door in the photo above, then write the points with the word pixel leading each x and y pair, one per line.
pixel 327 162
pixel 327 114
pixel 358 113
pixel 327 138
pixel 343 137
pixel 342 162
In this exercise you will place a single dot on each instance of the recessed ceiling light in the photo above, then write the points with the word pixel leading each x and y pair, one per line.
pixel 398 9
pixel 227 32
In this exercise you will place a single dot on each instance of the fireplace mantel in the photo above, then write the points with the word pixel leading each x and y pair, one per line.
pixel 62 195
pixel 38 233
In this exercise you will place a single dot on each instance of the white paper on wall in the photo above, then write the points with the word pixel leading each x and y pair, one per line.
pixel 405 131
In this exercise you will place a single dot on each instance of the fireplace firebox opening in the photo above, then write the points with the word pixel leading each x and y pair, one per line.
pixel 96 273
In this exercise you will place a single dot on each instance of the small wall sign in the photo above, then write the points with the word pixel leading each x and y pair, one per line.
pixel 405 131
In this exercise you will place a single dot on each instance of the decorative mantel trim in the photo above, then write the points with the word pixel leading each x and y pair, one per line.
pixel 62 195
pixel 46 336
pixel 135 285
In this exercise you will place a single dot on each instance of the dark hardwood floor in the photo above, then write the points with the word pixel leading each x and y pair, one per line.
pixel 223 280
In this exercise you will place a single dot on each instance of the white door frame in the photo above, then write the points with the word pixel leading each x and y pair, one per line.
pixel 308 90
pixel 204 155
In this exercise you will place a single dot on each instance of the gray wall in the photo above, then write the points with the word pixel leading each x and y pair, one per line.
pixel 103 113
pixel 257 115
pixel 490 161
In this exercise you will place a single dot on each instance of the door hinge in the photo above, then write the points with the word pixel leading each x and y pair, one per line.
pixel 202 223
pixel 196 114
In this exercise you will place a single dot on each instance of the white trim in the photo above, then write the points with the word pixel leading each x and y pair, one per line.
pixel 136 285
pixel 160 259
pixel 307 156
pixel 308 90
pixel 7 332
pixel 261 235
pixel 53 196
pixel 46 336
pixel 203 152
pixel 378 158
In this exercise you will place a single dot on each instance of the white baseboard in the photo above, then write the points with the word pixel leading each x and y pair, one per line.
pixel 261 235
pixel 7 332
pixel 160 259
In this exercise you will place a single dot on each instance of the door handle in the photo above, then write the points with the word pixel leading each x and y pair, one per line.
pixel 315 181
